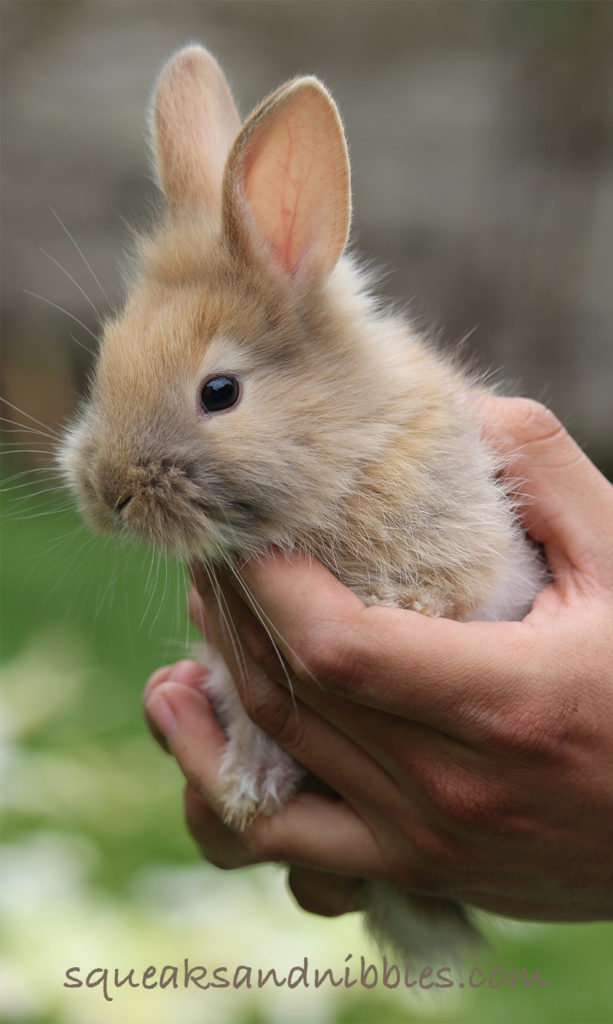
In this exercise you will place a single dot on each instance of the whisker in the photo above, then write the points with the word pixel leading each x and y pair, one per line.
pixel 181 587
pixel 27 472
pixel 76 554
pixel 150 572
pixel 201 624
pixel 162 559
pixel 22 412
pixel 71 278
pixel 112 581
pixel 26 451
pixel 153 583
pixel 38 515
pixel 61 309
pixel 268 626
pixel 21 428
pixel 78 528
pixel 31 495
pixel 228 624
pixel 81 344
pixel 173 646
pixel 80 252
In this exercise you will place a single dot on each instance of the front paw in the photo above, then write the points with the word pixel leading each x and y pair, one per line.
pixel 253 782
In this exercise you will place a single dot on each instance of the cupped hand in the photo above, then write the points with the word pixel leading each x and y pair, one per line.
pixel 472 760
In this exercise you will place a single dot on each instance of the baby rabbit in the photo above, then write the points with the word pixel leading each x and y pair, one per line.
pixel 252 393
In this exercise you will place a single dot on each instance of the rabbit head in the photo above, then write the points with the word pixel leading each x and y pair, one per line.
pixel 230 396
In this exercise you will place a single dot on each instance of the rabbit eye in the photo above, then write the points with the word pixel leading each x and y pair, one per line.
pixel 219 393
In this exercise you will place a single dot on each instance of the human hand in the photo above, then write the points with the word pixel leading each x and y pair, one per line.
pixel 317 891
pixel 473 760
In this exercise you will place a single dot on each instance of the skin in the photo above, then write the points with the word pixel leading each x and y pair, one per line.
pixel 472 760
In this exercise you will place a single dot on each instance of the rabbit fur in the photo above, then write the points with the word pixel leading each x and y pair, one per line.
pixel 351 438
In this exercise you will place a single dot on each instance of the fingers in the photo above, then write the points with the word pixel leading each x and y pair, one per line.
pixel 190 673
pixel 310 830
pixel 217 842
pixel 434 671
pixel 465 680
pixel 183 716
pixel 323 893
pixel 315 832
pixel 570 504
pixel 328 638
pixel 316 891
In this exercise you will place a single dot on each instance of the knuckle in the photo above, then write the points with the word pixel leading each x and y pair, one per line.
pixel 328 656
pixel 423 874
pixel 273 710
pixel 539 422
pixel 217 858
pixel 193 825
pixel 316 904
pixel 437 857
pixel 464 801
pixel 322 900
pixel 309 899
pixel 519 735
pixel 541 730
pixel 198 822
pixel 264 703
pixel 260 645
pixel 263 842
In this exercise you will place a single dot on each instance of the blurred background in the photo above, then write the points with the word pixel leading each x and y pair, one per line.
pixel 481 138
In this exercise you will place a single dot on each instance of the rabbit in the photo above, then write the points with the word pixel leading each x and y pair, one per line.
pixel 254 394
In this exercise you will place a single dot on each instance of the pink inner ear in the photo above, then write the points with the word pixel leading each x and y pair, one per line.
pixel 296 180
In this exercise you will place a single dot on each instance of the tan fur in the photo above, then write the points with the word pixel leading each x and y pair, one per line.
pixel 193 93
pixel 352 438
pixel 395 430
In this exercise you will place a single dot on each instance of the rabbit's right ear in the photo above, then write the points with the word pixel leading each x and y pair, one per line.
pixel 286 191
pixel 195 122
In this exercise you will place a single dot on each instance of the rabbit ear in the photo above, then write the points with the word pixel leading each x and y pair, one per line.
pixel 195 122
pixel 287 180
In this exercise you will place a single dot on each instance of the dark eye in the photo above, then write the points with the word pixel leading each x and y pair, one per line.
pixel 219 393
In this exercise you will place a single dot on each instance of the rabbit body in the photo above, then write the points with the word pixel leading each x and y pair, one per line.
pixel 348 437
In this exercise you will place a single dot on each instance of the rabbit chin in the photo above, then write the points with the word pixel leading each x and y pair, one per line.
pixel 183 530
pixel 154 501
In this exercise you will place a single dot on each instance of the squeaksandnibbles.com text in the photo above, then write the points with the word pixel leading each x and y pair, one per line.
pixel 354 971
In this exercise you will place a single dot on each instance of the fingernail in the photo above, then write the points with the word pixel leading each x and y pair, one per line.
pixel 162 715
pixel 160 676
pixel 188 672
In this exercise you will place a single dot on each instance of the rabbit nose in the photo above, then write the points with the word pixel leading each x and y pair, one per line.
pixel 123 502
pixel 113 491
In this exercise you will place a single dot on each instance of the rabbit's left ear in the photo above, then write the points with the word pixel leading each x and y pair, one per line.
pixel 286 185
pixel 194 123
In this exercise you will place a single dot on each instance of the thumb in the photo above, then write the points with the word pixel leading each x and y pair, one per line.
pixel 564 501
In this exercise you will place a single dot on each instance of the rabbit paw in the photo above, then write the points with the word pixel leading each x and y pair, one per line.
pixel 401 600
pixel 257 778
pixel 256 775
pixel 423 609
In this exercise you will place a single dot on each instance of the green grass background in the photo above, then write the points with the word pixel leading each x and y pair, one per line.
pixel 96 868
